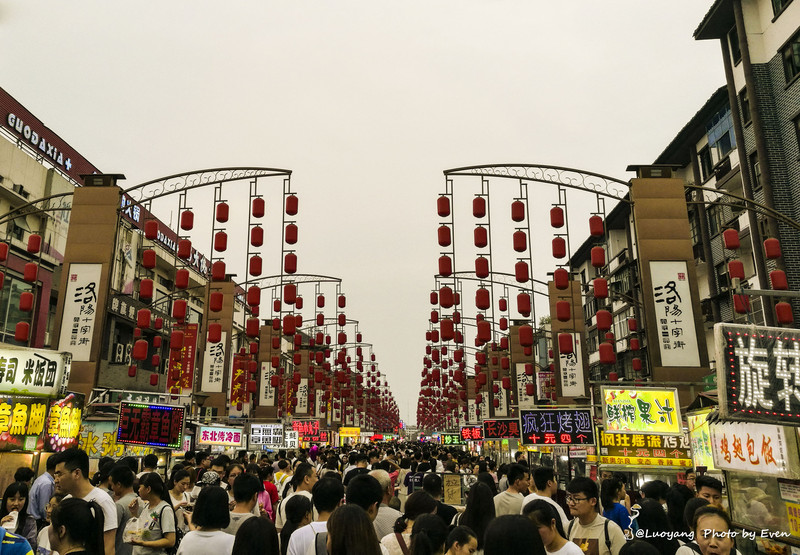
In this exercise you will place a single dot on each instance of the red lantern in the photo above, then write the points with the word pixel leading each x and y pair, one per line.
pixel 447 329
pixel 607 355
pixel 636 364
pixel 520 241
pixel 182 278
pixel 741 304
pixel 321 301
pixel 565 345
pixel 730 239
pixel 559 247
pixel 526 335
pixel 149 259
pixel 736 269
pixel 445 266
pixel 482 267
pixel 290 293
pixel 26 301
pixel 444 236
pixel 290 234
pixel 34 243
pixel 214 332
pixel 502 305
pixel 151 229
pixel 613 377
pixel 563 311
pixel 132 371
pixel 139 351
pixel 252 327
pixel 259 207
pixel 529 389
pixel 342 338
pixel 633 344
pixel 31 272
pixel 603 320
pixel 158 323
pixel 184 249
pixel 524 304
pixel 223 211
pixel 341 302
pixel 215 300
pixel 257 236
pixel 561 278
pixel 596 228
pixel 3 252
pixel 598 257
pixel 481 237
pixel 289 324
pixel 143 318
pixel 179 309
pixel 783 313
pixel 600 286
pixel 772 248
pixel 255 266
pixel 557 217
pixel 155 361
pixel 482 300
pixel 218 271
pixel 443 206
pixel 187 220
pixel 21 331
pixel 342 319
pixel 517 211
pixel 484 331
pixel 291 205
pixel 778 280
pixel 521 271
pixel 503 324
pixel 479 207
pixel 290 263
pixel 633 325
pixel 445 297
pixel 220 241
pixel 254 295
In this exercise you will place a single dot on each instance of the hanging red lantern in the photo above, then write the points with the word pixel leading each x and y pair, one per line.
pixel 783 313
pixel 482 267
pixel 557 217
pixel 320 319
pixel 252 327
pixel 276 305
pixel 447 329
pixel 633 344
pixel 741 304
pixel 482 300
pixel 479 207
pixel 598 257
pixel 184 249
pixel 563 311
pixel 291 205
pixel 481 237
pixel 342 319
pixel 559 247
pixel 524 304
pixel 179 309
pixel 151 230
pixel 613 377
pixel 730 239
pixel 21 332
pixel 529 369
pixel 146 289
pixel 155 361
pixel 34 243
pixel 521 271
pixel 503 324
pixel 445 297
pixel 26 301
pixel 607 355
pixel 3 252
pixel 31 272
pixel 529 389
pixel 290 293
pixel 218 271
pixel 254 295
pixel 290 263
pixel 220 241
pixel 600 286
pixel 525 335
pixel 484 331
pixel 435 298
pixel 222 213
pixel 443 206
pixel 636 364
pixel 255 266
pixel 341 301
pixel 214 332
pixel 517 211
pixel 520 241
pixel 565 345
pixel 215 301
pixel 603 320
pixel 342 338
pixel 610 337
pixel 778 280
pixel 503 304
pixel 182 278
pixel 561 278
pixel 158 323
pixel 143 318
pixel 257 236
pixel 139 351
pixel 445 266
pixel 736 269
pixel 289 324
pixel 259 207
pixel 149 259
pixel 633 325
pixel 596 227
pixel 187 220
pixel 321 301
pixel 772 248
pixel 443 235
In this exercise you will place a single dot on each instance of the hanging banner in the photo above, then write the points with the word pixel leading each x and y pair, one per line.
pixel 215 435
pixel 760 377
pixel 700 437
pixel 183 368
pixel 751 447
pixel 302 397
pixel 672 299
pixel 80 310
pixel 484 406
pixel 349 432
pixel 98 439
pixel 571 367
pixel 291 440
pixel 642 409
pixel 546 385
pixel 501 410
pixel 319 405
pixel 238 392
pixel 644 450
pixel 34 372
pixel 265 436
pixel 472 433
pixel 266 396
pixel 501 429
pixel 472 417
pixel 557 427
pixel 151 425
pixel 523 379
pixel 214 365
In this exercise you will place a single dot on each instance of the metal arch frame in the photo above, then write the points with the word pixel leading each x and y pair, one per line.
pixel 171 184
pixel 295 278
pixel 568 177
pixel 28 208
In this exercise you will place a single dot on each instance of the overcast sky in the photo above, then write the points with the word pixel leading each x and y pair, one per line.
pixel 366 102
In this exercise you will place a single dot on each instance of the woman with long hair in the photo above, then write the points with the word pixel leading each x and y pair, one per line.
pixel 234 471
pixel 256 536
pixel 298 513
pixel 15 509
pixel 677 497
pixel 547 520
pixel 76 528
pixel 351 531
pixel 428 535
pixel 461 541
pixel 178 485
pixel 210 516
pixel 653 519
pixel 158 517
pixel 417 504
pixel 479 511
pixel 512 535
pixel 612 492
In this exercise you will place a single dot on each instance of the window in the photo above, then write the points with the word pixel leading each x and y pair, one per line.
pixel 791 57
pixel 722 277
pixel 714 219
pixel 744 102
pixel 733 41
pixel 694 226
pixel 720 135
pixel 16 231
pixel 9 307
pixel 756 169
pixel 704 159
pixel 779 5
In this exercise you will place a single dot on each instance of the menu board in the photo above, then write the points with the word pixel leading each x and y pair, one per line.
pixel 266 435
pixel 153 425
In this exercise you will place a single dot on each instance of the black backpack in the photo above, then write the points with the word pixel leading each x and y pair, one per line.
pixel 178 532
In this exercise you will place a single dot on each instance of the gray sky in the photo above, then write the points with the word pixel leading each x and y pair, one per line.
pixel 367 103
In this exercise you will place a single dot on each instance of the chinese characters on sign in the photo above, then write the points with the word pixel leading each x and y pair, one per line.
pixel 309 431
pixel 472 433
pixel 266 436
pixel 644 410
pixel 672 299
pixel 214 365
pixel 154 425
pixel 34 372
pixel 267 392
pixel 291 440
pixel 700 437
pixel 501 429
pixel 98 439
pixel 451 439
pixel 215 435
pixel 63 423
pixel 761 372
pixel 571 371
pixel 751 447
pixel 302 397
pixel 644 450
pixel 238 391
pixel 80 310
pixel 183 367
pixel 557 427
pixel 523 379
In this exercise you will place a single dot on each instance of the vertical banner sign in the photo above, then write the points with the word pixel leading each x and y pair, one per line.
pixel 238 392
pixel 502 402
pixel 183 368
pixel 672 299
pixel 484 406
pixel 571 365
pixel 472 418
pixel 266 396
pixel 523 379
pixel 80 311
pixel 545 385
pixel 302 397
pixel 214 365
pixel 700 437
pixel 319 403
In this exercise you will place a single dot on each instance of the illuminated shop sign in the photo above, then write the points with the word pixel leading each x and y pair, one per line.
pixel 450 439
pixel 471 433
pixel 643 410
pixel 153 425
pixel 557 427
pixel 214 435
pixel 501 428
pixel 644 450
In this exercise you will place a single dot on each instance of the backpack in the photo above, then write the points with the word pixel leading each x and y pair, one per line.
pixel 321 543
pixel 605 530
pixel 178 532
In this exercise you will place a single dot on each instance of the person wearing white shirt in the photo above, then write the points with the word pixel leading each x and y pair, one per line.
pixel 544 481
pixel 548 522
pixel 304 478
pixel 326 495
pixel 509 502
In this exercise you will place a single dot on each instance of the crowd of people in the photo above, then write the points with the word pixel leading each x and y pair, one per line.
pixel 369 499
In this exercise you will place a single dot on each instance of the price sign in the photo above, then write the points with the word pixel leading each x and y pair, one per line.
pixel 153 425
pixel 266 435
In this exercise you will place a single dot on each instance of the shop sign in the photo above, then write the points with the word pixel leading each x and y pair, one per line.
pixel 33 372
pixel 557 427
pixel 22 423
pixel 98 439
pixel 214 365
pixel 472 417
pixel 309 431
pixel 571 367
pixel 216 435
pixel 302 397
pixel 349 432
pixel 267 392
pixel 450 439
pixel 523 379
pixel 80 310
pixel 672 299
pixel 152 425
pixel 291 440
pixel 183 367
pixel 700 438
pixel 64 423
pixel 501 428
pixel 642 409
pixel 265 435
pixel 761 373
pixel 644 450
pixel 472 433
pixel 238 388
pixel 750 447
pixel 790 495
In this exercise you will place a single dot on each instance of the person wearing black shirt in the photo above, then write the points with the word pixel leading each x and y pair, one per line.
pixel 432 484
